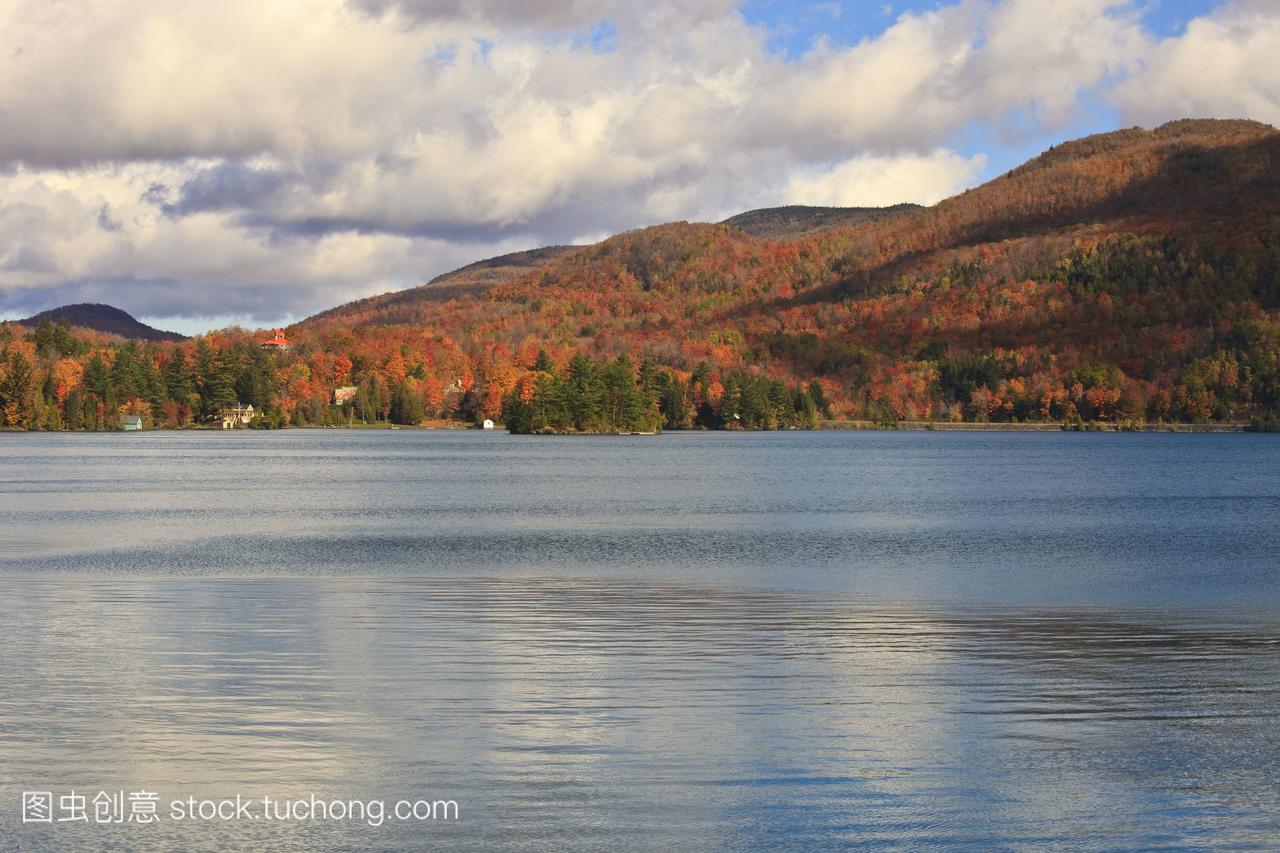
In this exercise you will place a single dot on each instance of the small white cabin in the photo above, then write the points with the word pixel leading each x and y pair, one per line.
pixel 237 416
pixel 488 424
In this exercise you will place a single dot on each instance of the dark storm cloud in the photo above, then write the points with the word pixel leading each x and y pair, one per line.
pixel 231 185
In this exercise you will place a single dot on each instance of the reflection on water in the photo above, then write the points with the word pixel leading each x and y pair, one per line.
pixel 624 714
pixel 1028 518
pixel 676 642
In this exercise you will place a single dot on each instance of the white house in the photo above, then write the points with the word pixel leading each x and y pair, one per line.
pixel 237 416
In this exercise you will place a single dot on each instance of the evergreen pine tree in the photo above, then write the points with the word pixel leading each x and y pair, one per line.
pixel 177 380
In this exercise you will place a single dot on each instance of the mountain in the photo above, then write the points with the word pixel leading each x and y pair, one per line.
pixel 103 318
pixel 1128 274
pixel 1131 276
pixel 417 304
pixel 414 304
pixel 797 220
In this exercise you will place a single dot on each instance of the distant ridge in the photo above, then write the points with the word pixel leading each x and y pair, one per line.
pixel 797 220
pixel 103 318
pixel 414 304
pixel 482 275
pixel 409 306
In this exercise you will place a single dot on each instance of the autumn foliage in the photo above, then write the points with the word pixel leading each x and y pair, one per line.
pixel 1131 276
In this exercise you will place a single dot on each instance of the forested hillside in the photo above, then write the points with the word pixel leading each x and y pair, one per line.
pixel 1131 276
pixel 417 304
pixel 797 220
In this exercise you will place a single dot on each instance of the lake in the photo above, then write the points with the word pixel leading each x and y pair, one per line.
pixel 687 641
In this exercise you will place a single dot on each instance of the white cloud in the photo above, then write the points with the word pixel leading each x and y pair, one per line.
pixel 931 74
pixel 881 181
pixel 1226 65
pixel 91 235
pixel 267 158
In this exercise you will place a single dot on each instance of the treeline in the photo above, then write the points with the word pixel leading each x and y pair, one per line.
pixel 56 378
pixel 602 396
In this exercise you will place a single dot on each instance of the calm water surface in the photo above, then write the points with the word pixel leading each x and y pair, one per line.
pixel 807 640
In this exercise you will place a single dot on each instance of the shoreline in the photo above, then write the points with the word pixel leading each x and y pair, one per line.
pixel 1095 426
pixel 831 425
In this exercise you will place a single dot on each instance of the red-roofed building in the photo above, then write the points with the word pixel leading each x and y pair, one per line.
pixel 279 342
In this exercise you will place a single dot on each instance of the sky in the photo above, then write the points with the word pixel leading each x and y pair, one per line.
pixel 254 161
